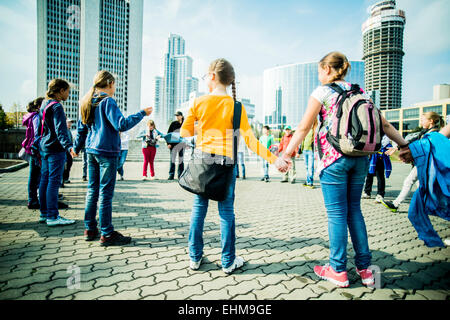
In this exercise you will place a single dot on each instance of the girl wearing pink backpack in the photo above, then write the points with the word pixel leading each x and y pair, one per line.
pixel 341 176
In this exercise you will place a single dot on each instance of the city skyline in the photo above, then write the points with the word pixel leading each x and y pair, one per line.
pixel 173 89
pixel 99 35
pixel 287 90
pixel 252 40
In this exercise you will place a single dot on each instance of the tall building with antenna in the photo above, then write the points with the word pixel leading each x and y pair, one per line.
pixel 383 52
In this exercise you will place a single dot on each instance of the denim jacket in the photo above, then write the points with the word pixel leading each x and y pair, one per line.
pixel 55 137
pixel 102 137
pixel 433 195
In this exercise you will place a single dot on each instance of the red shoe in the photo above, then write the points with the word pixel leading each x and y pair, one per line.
pixel 366 277
pixel 326 272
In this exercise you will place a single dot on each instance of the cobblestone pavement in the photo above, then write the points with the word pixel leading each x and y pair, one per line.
pixel 281 233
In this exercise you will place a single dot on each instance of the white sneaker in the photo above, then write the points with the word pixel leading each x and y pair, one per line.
pixel 379 198
pixel 447 242
pixel 121 178
pixel 152 178
pixel 365 196
pixel 60 221
pixel 195 265
pixel 144 178
pixel 237 263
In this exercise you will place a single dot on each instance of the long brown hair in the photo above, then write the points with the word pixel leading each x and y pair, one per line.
pixel 339 62
pixel 55 86
pixel 225 72
pixel 102 80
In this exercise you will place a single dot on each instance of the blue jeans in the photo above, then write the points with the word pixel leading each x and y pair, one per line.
pixel 52 167
pixel 85 163
pixel 265 165
pixel 122 158
pixel 227 226
pixel 240 160
pixel 102 180
pixel 342 183
pixel 34 179
pixel 309 163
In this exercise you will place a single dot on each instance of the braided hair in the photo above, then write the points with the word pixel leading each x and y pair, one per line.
pixel 225 72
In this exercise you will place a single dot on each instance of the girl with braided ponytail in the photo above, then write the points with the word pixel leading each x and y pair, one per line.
pixel 214 116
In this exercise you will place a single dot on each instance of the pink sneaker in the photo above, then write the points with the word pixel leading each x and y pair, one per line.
pixel 326 272
pixel 366 276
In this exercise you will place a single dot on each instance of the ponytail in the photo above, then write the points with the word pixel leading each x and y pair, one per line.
pixel 441 122
pixel 101 80
pixel 87 114
pixel 233 89
pixel 225 72
pixel 337 61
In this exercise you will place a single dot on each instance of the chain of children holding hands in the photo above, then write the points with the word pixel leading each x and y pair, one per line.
pixel 98 133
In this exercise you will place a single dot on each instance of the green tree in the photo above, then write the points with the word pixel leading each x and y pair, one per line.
pixel 4 124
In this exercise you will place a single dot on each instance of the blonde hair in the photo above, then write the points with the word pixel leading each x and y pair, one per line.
pixel 55 86
pixel 437 119
pixel 151 123
pixel 102 80
pixel 339 62
pixel 225 72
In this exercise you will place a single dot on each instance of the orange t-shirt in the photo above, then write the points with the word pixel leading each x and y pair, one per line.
pixel 214 127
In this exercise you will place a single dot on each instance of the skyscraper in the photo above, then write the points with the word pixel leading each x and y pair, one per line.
pixel 77 38
pixel 158 103
pixel 178 82
pixel 59 48
pixel 383 52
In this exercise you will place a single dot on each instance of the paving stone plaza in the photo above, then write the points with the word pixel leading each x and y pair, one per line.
pixel 281 233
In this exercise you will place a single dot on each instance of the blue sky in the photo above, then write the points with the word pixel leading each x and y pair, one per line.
pixel 252 34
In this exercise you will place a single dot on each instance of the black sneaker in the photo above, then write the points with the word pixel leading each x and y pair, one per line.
pixel 84 178
pixel 237 177
pixel 267 180
pixel 32 206
pixel 114 239
pixel 390 205
pixel 60 196
pixel 91 235
pixel 171 178
pixel 62 205
pixel 263 179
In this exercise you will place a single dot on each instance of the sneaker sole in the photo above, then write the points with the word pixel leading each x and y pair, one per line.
pixel 105 244
pixel 60 224
pixel 392 210
pixel 368 282
pixel 338 283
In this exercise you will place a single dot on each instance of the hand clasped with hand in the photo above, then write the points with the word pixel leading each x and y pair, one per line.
pixel 283 164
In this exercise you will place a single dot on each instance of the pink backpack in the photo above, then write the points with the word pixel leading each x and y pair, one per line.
pixel 356 128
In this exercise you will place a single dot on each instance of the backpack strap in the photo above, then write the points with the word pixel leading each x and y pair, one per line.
pixel 341 97
pixel 236 126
